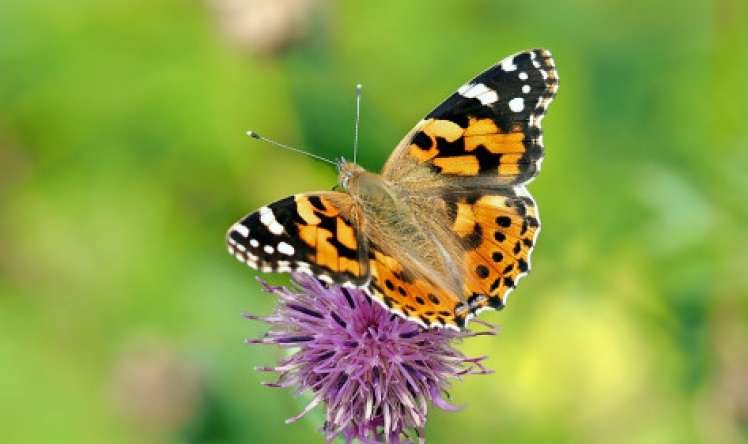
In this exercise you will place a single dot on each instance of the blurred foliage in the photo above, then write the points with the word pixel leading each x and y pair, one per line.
pixel 123 160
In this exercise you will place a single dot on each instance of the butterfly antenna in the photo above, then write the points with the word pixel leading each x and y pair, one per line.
pixel 254 135
pixel 359 87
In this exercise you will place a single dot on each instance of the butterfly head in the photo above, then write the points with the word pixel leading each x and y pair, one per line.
pixel 348 173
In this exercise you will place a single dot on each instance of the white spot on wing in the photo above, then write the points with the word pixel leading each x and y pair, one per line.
pixel 523 75
pixel 526 89
pixel 268 219
pixel 489 98
pixel 479 91
pixel 475 90
pixel 276 228
pixel 268 249
pixel 241 229
pixel 508 64
pixel 283 267
pixel 253 243
pixel 517 104
pixel 286 249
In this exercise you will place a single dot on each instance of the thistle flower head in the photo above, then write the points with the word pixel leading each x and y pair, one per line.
pixel 374 372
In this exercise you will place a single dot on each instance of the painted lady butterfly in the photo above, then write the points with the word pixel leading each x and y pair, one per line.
pixel 446 230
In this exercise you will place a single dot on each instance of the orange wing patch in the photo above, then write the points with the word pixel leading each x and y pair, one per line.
pixel 485 132
pixel 411 297
pixel 331 238
pixel 498 233
pixel 458 165
pixel 479 148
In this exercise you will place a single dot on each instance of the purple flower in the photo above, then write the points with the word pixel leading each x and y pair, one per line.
pixel 374 371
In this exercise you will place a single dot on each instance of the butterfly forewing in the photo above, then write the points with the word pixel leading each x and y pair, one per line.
pixel 490 126
pixel 313 233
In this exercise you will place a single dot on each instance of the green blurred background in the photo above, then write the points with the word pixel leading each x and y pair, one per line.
pixel 123 160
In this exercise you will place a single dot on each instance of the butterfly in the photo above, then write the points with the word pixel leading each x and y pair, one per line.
pixel 447 228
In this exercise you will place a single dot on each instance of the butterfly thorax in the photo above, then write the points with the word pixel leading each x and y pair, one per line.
pixel 390 219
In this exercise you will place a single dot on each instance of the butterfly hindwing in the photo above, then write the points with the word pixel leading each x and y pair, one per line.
pixel 310 233
pixel 410 296
pixel 498 232
pixel 490 126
